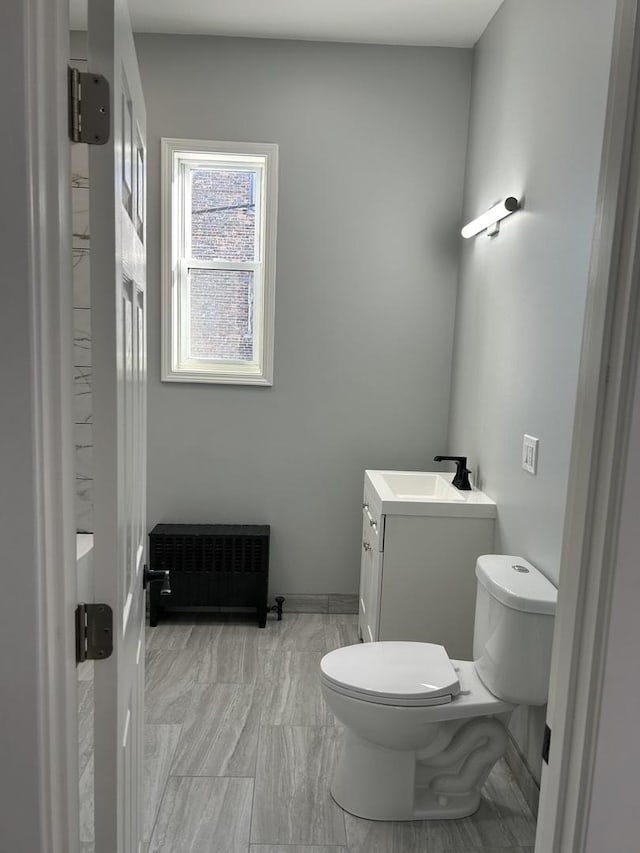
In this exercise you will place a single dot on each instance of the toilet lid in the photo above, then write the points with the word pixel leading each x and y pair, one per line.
pixel 388 670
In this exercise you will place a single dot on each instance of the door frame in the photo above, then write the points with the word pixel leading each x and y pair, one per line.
pixel 36 38
pixel 39 805
pixel 606 382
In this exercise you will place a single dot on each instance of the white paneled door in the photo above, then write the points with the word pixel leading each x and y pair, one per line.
pixel 118 292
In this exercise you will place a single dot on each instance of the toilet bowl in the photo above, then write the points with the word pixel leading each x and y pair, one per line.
pixel 412 757
pixel 421 731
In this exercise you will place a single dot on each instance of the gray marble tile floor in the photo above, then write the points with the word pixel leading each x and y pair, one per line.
pixel 219 733
pixel 289 690
pixel 239 750
pixel 172 636
pixel 228 653
pixel 292 803
pixel 300 632
pixel 160 742
pixel 202 815
pixel 170 677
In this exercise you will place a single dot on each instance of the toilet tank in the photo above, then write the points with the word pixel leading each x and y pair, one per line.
pixel 513 629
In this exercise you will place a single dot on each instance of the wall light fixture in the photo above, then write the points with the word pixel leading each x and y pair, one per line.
pixel 489 221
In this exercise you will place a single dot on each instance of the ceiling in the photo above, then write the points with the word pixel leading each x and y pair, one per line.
pixel 446 23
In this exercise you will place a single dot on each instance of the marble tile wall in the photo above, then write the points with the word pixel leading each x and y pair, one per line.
pixel 82 377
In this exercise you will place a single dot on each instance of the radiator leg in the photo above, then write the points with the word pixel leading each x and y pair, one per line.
pixel 262 615
pixel 279 603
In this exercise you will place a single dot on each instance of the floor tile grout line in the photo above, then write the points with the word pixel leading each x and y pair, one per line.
pixel 258 847
pixel 253 795
pixel 344 823
pixel 194 776
pixel 164 787
pixel 170 763
pixel 255 778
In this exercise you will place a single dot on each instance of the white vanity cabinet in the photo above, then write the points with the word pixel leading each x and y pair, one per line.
pixel 420 542
pixel 370 575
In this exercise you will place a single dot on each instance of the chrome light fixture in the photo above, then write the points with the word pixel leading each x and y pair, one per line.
pixel 489 221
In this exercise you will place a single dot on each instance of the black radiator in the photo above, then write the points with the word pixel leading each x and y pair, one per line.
pixel 210 565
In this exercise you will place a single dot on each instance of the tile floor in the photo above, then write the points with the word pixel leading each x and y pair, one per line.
pixel 239 749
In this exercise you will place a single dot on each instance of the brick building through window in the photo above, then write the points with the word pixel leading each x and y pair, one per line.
pixel 223 227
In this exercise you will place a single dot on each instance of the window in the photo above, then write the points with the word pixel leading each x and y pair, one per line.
pixel 219 202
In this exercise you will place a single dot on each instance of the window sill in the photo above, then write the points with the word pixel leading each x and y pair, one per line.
pixel 217 378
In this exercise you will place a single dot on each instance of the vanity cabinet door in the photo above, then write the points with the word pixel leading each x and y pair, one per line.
pixel 429 584
pixel 370 579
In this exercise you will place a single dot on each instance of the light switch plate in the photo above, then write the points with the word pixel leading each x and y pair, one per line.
pixel 530 453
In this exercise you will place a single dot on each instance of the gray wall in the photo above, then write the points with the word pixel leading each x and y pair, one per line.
pixel 538 101
pixel 372 151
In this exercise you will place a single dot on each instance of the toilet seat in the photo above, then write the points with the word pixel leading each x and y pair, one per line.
pixel 392 673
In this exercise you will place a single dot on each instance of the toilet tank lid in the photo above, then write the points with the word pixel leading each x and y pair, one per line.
pixel 516 583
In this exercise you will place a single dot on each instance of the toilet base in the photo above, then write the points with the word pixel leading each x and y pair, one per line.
pixel 425 809
pixel 378 783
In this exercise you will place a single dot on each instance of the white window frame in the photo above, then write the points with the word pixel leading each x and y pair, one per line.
pixel 178 155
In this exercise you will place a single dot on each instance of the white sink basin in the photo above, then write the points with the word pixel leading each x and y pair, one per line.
pixel 424 493
pixel 420 486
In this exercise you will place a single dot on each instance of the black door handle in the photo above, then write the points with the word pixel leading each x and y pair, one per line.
pixel 162 576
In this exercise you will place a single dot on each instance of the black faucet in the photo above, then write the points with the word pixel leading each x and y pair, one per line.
pixel 461 480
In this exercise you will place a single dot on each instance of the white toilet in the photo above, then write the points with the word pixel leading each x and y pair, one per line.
pixel 421 731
